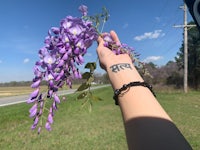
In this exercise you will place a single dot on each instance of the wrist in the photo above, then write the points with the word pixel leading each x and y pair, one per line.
pixel 122 73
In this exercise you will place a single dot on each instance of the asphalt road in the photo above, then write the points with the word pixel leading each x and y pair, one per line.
pixel 5 101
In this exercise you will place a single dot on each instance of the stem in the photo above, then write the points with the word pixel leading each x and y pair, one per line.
pixel 104 21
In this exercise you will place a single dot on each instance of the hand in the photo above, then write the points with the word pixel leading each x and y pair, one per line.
pixel 106 57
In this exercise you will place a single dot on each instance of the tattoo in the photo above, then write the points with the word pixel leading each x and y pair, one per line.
pixel 117 67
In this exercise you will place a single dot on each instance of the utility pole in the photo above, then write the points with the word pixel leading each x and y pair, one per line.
pixel 185 27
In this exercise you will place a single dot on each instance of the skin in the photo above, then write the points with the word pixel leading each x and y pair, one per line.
pixel 146 123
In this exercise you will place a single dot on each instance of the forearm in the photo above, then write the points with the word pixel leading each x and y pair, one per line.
pixel 137 101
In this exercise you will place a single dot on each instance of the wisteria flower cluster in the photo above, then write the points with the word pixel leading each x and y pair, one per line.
pixel 63 51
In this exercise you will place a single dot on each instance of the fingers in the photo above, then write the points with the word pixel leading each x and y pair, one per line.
pixel 100 44
pixel 101 49
pixel 100 40
pixel 114 36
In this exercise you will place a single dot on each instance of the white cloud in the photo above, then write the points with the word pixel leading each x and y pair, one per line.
pixel 152 59
pixel 157 19
pixel 88 54
pixel 125 26
pixel 26 60
pixel 150 35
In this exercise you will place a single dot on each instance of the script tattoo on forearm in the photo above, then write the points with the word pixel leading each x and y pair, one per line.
pixel 117 67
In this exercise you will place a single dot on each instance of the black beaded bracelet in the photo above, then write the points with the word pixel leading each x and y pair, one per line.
pixel 117 92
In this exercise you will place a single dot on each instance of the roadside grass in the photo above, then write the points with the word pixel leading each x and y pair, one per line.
pixel 184 109
pixel 14 91
pixel 76 128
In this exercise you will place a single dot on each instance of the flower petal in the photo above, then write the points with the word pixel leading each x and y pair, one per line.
pixel 56 99
pixel 48 126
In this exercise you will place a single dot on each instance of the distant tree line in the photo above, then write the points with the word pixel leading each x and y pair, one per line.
pixel 168 74
pixel 15 83
pixel 99 78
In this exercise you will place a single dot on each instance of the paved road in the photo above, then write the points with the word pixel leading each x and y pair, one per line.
pixel 4 101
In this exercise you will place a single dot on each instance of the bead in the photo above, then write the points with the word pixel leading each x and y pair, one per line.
pixel 117 92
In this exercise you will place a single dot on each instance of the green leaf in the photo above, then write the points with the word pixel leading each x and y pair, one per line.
pixel 95 98
pixel 86 75
pixel 91 66
pixel 82 95
pixel 83 87
pixel 90 107
pixel 90 80
pixel 105 12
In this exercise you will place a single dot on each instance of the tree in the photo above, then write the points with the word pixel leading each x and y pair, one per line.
pixel 168 74
pixel 193 57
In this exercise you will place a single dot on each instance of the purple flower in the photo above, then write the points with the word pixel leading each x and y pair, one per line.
pixel 65 57
pixel 31 100
pixel 35 93
pixel 33 112
pixel 107 38
pixel 61 63
pixel 37 72
pixel 75 31
pixel 33 96
pixel 76 51
pixel 81 60
pixel 76 75
pixel 61 74
pixel 41 104
pixel 40 98
pixel 79 75
pixel 39 129
pixel 55 30
pixel 48 77
pixel 50 118
pixel 49 59
pixel 33 126
pixel 65 23
pixel 69 83
pixel 62 50
pixel 36 120
pixel 83 10
pixel 59 58
pixel 33 108
pixel 40 112
pixel 36 84
pixel 51 110
pixel 54 105
pixel 56 98
pixel 51 83
pixel 43 51
pixel 69 51
pixel 50 93
pixel 48 126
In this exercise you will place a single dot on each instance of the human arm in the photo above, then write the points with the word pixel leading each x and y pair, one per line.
pixel 147 124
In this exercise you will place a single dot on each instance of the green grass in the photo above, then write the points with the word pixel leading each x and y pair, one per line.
pixel 76 128
pixel 184 109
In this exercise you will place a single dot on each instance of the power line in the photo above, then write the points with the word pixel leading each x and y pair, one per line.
pixel 175 18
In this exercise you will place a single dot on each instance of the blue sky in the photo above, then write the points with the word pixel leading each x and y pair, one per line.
pixel 145 25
